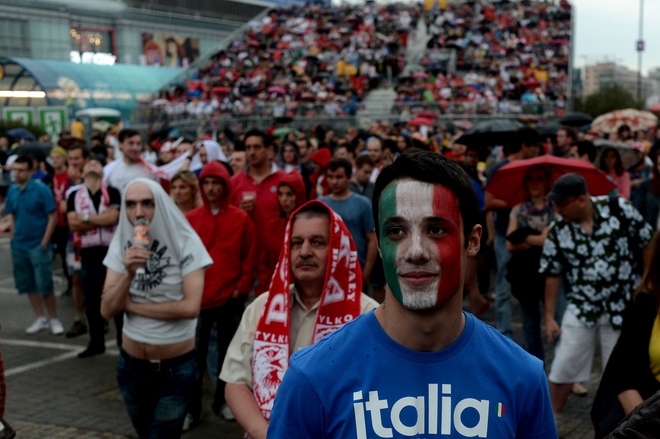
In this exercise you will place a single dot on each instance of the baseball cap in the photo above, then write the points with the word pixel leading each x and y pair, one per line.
pixel 567 186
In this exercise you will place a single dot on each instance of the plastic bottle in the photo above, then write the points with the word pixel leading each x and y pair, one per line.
pixel 141 237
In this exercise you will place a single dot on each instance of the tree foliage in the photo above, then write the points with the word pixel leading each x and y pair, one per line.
pixel 608 98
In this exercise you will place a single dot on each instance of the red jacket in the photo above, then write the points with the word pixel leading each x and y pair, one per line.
pixel 275 236
pixel 230 240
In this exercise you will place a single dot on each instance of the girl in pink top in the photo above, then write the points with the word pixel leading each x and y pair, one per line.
pixel 611 164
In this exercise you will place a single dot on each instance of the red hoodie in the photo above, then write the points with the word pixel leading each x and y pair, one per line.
pixel 319 183
pixel 275 236
pixel 230 240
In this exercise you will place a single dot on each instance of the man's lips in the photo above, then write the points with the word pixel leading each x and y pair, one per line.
pixel 419 277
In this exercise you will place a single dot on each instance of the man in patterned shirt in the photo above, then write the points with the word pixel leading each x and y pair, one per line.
pixel 595 245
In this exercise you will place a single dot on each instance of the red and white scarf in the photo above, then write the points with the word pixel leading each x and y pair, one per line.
pixel 340 303
pixel 98 236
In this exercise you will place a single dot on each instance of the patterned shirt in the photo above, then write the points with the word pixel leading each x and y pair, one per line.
pixel 598 267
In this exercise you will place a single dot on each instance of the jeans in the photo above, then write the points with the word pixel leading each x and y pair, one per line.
pixel 157 401
pixel 226 318
pixel 502 288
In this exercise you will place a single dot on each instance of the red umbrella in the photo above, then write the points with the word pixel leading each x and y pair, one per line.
pixel 420 121
pixel 221 90
pixel 428 115
pixel 655 108
pixel 507 183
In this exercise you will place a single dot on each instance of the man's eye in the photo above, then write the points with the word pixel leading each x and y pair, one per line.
pixel 436 230
pixel 395 231
pixel 319 244
pixel 130 204
pixel 296 244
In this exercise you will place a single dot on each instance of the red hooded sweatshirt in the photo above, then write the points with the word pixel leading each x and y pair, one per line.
pixel 319 183
pixel 230 240
pixel 275 236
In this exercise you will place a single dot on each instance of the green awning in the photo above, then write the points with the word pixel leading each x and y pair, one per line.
pixel 80 86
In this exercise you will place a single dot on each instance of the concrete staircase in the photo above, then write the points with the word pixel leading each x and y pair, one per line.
pixel 377 105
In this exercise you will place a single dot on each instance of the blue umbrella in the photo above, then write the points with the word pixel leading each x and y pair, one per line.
pixel 21 133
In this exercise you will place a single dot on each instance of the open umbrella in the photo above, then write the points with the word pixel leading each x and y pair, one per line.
pixel 277 90
pixel 549 129
pixel 21 133
pixel 420 121
pixel 655 108
pixel 491 132
pixel 39 150
pixel 507 183
pixel 428 115
pixel 576 120
pixel 635 119
pixel 463 124
pixel 628 153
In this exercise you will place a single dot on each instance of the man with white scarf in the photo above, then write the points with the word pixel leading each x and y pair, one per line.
pixel 157 367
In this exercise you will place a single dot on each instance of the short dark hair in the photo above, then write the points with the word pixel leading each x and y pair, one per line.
pixel 80 146
pixel 127 133
pixel 433 168
pixel 337 163
pixel 364 160
pixel 255 132
pixel 586 147
pixel 25 159
pixel 570 132
pixel 527 136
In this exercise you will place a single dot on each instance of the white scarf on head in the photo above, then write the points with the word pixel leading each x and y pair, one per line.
pixel 213 153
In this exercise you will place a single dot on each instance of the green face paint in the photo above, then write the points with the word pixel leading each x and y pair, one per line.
pixel 388 247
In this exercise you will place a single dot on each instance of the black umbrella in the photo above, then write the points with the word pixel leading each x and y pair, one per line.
pixel 576 120
pixel 492 132
pixel 283 119
pixel 38 150
pixel 549 129
pixel 21 133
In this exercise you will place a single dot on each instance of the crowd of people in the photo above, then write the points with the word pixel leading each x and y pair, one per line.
pixel 299 61
pixel 482 58
pixel 232 251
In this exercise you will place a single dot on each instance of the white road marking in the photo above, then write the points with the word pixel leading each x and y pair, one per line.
pixel 74 350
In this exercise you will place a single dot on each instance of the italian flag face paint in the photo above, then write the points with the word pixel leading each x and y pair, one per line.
pixel 420 240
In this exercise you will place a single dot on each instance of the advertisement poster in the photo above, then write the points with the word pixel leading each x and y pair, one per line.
pixel 168 50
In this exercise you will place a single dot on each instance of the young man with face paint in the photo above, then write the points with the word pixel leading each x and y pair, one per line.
pixel 418 366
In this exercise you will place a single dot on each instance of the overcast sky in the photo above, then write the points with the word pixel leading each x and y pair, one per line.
pixel 609 29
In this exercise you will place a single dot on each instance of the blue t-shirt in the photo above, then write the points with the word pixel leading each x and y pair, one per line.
pixel 500 216
pixel 356 213
pixel 359 383
pixel 30 208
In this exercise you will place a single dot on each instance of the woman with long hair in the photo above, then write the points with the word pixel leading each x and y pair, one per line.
pixel 649 196
pixel 184 190
pixel 612 165
pixel 528 228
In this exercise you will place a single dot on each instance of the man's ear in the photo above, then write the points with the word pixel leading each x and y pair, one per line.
pixel 474 241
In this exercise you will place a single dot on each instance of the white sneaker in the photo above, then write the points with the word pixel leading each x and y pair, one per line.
pixel 38 325
pixel 56 327
pixel 226 413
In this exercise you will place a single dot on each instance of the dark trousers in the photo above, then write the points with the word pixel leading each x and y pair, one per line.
pixel 93 278
pixel 156 400
pixel 227 318
pixel 59 239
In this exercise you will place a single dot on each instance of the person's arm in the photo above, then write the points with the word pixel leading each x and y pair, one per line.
pixel 370 259
pixel 7 224
pixel 624 188
pixel 245 409
pixel 76 224
pixel 117 285
pixel 630 399
pixel 513 226
pixel 186 308
pixel 494 203
pixel 50 228
pixel 552 286
pixel 490 226
pixel 537 240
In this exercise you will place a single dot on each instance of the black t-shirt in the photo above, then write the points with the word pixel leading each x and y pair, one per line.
pixel 115 198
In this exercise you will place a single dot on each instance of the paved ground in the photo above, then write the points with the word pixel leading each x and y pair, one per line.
pixel 53 394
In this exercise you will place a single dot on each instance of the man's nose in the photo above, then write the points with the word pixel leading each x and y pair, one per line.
pixel 306 249
pixel 417 250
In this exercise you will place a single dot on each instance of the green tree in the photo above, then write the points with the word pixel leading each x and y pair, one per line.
pixel 608 98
